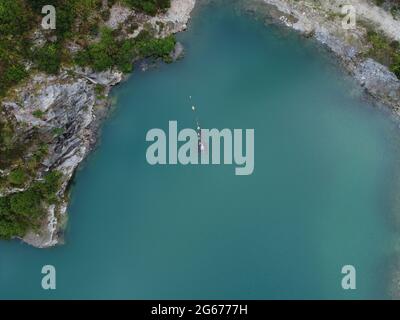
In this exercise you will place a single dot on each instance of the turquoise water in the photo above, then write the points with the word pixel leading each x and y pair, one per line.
pixel 319 197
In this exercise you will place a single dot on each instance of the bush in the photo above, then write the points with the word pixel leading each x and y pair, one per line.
pixel 26 204
pixel 14 18
pixel 107 53
pixel 159 48
pixel 110 52
pixel 25 210
pixel 49 187
pixel 149 6
pixel 99 55
pixel 11 75
pixel 48 58
pixel 385 51
pixel 66 14
pixel 38 114
pixel 17 177
pixel 395 68
pixel 11 228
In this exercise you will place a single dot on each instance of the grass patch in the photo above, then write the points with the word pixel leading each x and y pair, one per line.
pixel 384 51
pixel 38 114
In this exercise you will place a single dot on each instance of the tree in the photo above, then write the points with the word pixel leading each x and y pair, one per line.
pixel 26 204
pixel 17 177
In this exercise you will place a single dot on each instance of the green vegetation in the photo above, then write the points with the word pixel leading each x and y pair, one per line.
pixel 395 9
pixel 77 21
pixel 150 7
pixel 17 177
pixel 14 24
pixel 38 114
pixel 24 210
pixel 58 131
pixel 107 53
pixel 48 58
pixel 11 148
pixel 158 48
pixel 384 51
pixel 110 52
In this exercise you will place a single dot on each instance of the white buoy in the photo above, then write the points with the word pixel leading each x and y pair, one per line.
pixel 193 108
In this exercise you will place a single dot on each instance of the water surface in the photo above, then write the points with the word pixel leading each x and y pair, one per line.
pixel 319 197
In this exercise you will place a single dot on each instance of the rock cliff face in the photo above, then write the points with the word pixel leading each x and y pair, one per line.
pixel 70 104
pixel 323 20
pixel 69 108
pixel 73 103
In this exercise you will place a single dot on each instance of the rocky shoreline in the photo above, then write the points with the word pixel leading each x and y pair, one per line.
pixel 71 100
pixel 76 100
pixel 322 20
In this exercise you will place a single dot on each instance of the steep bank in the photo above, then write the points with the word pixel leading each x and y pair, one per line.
pixel 355 48
pixel 66 109
pixel 323 20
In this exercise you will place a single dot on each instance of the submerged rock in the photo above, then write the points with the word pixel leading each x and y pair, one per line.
pixel 178 53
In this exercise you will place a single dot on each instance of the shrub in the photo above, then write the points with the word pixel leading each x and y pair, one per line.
pixel 14 18
pixel 48 58
pixel 107 53
pixel 149 6
pixel 26 204
pixel 11 228
pixel 385 51
pixel 99 55
pixel 17 177
pixel 159 48
pixel 25 210
pixel 395 67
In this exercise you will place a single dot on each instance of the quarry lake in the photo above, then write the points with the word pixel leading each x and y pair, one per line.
pixel 320 197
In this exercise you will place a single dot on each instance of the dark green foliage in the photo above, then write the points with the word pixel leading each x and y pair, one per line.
pixel 66 14
pixel 100 56
pixel 158 48
pixel 14 23
pixel 75 19
pixel 19 17
pixel 110 52
pixel 10 224
pixel 17 177
pixel 26 204
pixel 49 187
pixel 14 19
pixel 149 6
pixel 48 58
pixel 395 68
pixel 10 148
pixel 385 51
pixel 24 210
pixel 38 114
pixel 11 75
